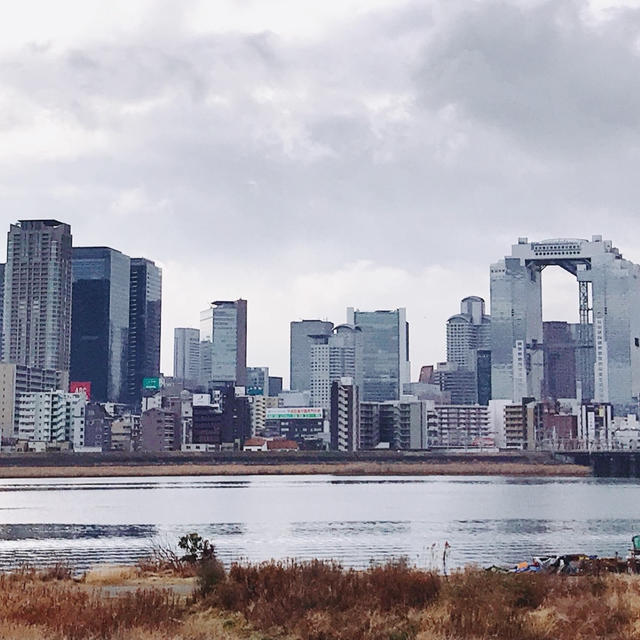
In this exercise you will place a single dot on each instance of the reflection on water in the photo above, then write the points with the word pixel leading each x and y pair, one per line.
pixel 74 531
pixel 87 486
pixel 352 520
pixel 349 528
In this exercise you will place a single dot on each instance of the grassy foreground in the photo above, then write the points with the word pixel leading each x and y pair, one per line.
pixel 318 601
pixel 471 468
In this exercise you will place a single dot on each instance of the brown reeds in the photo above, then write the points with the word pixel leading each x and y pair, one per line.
pixel 69 612
pixel 318 599
pixel 472 467
pixel 323 601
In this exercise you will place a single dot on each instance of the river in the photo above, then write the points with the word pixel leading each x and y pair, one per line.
pixel 354 520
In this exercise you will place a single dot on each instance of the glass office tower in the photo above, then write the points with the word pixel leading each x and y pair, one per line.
pixel 100 321
pixel 223 330
pixel 145 308
pixel 186 356
pixel 385 353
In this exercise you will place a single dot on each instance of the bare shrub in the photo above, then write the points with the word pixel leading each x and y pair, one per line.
pixel 77 614
pixel 209 573
pixel 493 605
pixel 162 558
pixel 58 571
pixel 309 596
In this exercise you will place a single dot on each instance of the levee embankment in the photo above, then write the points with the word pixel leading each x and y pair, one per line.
pixel 420 463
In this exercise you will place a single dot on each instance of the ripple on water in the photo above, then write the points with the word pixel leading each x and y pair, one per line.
pixel 354 521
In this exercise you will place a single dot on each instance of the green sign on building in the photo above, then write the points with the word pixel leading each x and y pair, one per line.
pixel 151 383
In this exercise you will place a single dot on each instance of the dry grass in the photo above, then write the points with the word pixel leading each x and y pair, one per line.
pixel 63 609
pixel 473 467
pixel 322 601
pixel 318 601
pixel 107 576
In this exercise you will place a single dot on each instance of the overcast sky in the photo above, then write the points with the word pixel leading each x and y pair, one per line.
pixel 308 156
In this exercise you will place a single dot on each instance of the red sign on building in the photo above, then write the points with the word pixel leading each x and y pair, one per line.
pixel 81 386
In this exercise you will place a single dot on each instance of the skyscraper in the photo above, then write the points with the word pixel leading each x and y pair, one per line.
pixel 468 342
pixel 145 307
pixel 100 321
pixel 385 353
pixel 37 295
pixel 186 355
pixel 302 339
pixel 2 267
pixel 224 325
pixel 333 357
pixel 609 311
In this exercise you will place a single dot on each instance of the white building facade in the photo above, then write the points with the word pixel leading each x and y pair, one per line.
pixel 51 416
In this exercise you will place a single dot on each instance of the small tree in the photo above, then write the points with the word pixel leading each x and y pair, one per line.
pixel 196 548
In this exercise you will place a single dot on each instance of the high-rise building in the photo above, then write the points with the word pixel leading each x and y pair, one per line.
pixel 51 416
pixel 259 406
pixel 459 383
pixel 186 356
pixel 463 426
pixel 345 415
pixel 609 311
pixel 145 309
pixel 559 361
pixel 2 267
pixel 483 376
pixel 224 326
pixel 385 353
pixel 302 339
pixel 100 321
pixel 369 425
pixel 16 379
pixel 159 430
pixel 519 425
pixel 333 357
pixel 585 359
pixel 403 423
pixel 468 341
pixel 37 295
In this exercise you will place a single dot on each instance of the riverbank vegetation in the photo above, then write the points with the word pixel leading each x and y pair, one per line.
pixel 473 467
pixel 315 601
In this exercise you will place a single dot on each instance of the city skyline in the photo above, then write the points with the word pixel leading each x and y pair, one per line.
pixel 559 304
pixel 390 183
pixel 540 367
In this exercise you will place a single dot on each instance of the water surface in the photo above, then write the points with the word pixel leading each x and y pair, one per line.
pixel 354 520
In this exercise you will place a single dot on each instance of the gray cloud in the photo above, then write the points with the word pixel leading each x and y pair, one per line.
pixel 410 137
pixel 546 74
